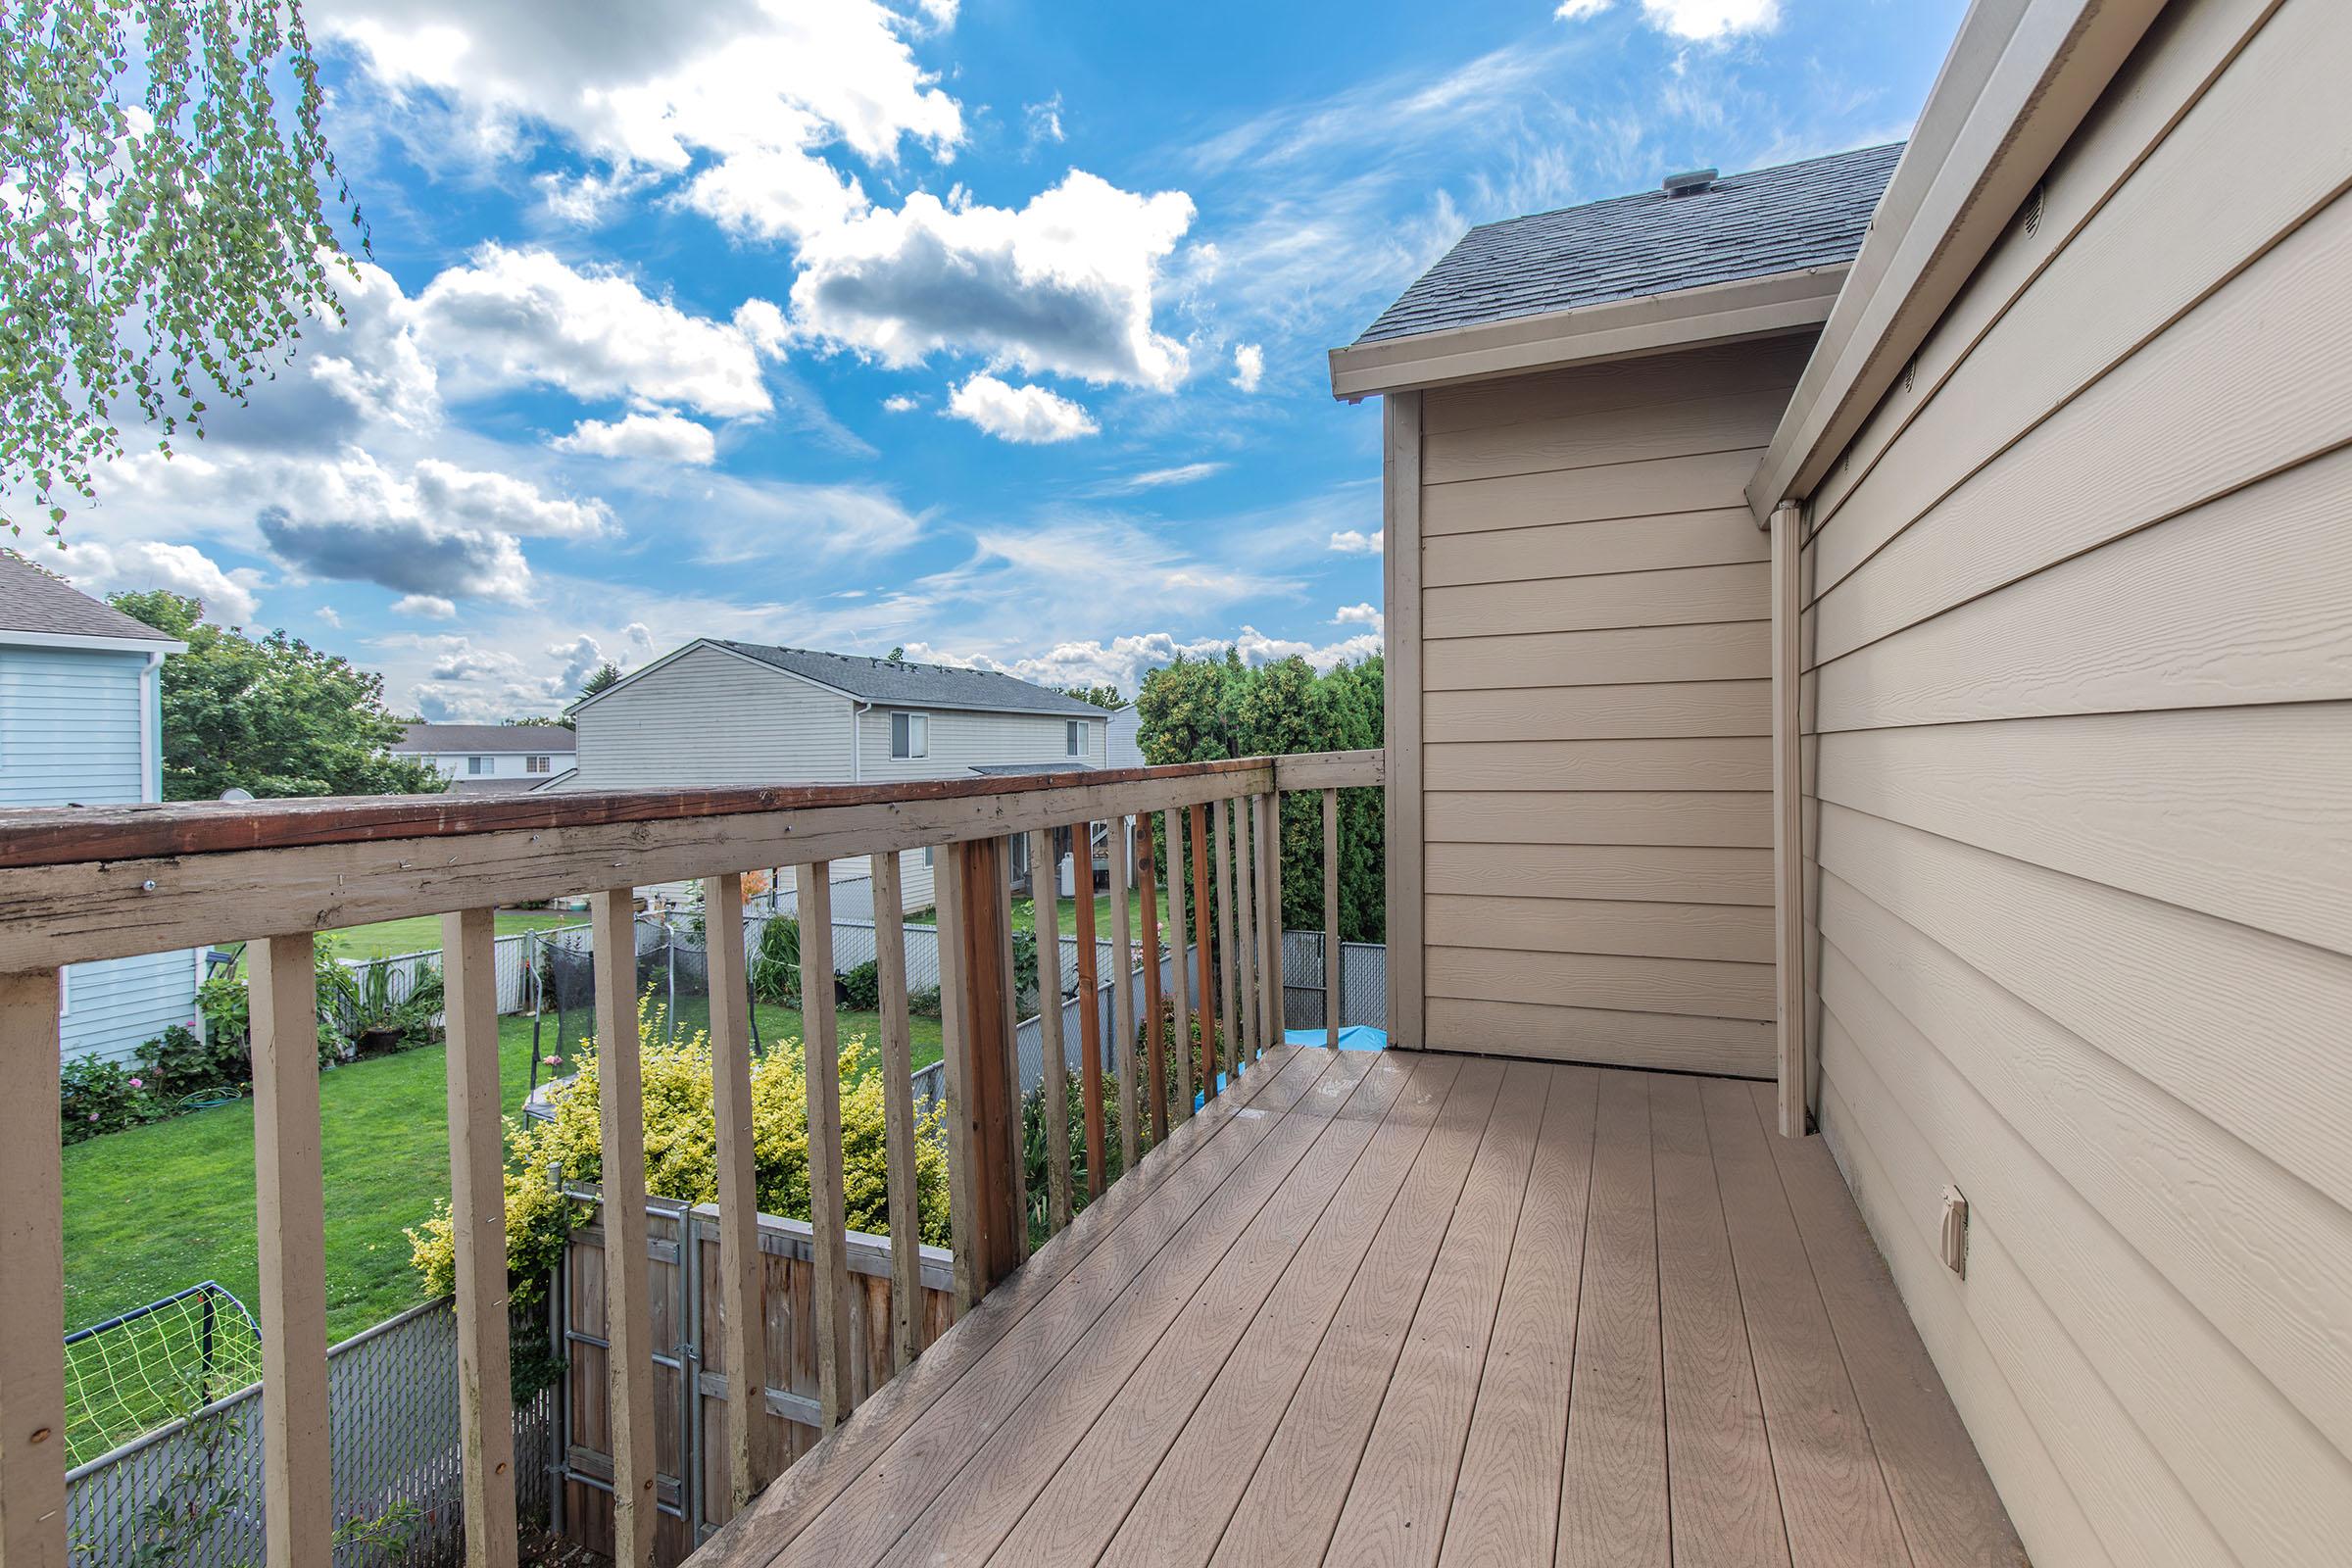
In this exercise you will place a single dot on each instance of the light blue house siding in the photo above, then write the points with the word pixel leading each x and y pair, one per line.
pixel 70 733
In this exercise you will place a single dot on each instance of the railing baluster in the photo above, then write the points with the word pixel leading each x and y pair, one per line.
pixel 1123 990
pixel 1090 1004
pixel 477 1209
pixel 1245 892
pixel 1054 1102
pixel 289 1182
pixel 742 1296
pixel 1009 1038
pixel 1228 976
pixel 985 1210
pixel 1155 1060
pixel 1269 913
pixel 964 1196
pixel 897 1112
pixel 629 1283
pixel 1203 953
pixel 820 1061
pixel 1331 965
pixel 1180 994
pixel 33 1297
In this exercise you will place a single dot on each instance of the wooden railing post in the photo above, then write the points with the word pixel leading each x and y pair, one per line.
pixel 828 1223
pixel 477 1211
pixel 1054 1060
pixel 1203 953
pixel 1333 958
pixel 742 1272
pixel 32 1267
pixel 628 1282
pixel 1220 838
pixel 984 1123
pixel 1245 949
pixel 1089 1008
pixel 289 1181
pixel 897 1112
pixel 1269 912
pixel 1123 990
pixel 1180 996
pixel 1155 1060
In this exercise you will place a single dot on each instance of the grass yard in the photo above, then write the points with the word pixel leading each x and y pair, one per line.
pixel 154 1210
pixel 1024 915
pixel 388 939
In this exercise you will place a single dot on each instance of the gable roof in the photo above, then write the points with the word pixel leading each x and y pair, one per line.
pixel 900 684
pixel 506 739
pixel 1768 221
pixel 31 601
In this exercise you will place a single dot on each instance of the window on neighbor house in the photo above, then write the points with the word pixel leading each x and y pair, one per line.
pixel 477 764
pixel 1075 737
pixel 535 765
pixel 910 735
pixel 927 855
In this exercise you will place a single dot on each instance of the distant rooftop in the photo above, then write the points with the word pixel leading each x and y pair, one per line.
pixel 898 683
pixel 34 600
pixel 537 739
pixel 1782 220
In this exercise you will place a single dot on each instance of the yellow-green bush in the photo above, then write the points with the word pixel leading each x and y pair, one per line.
pixel 680 1150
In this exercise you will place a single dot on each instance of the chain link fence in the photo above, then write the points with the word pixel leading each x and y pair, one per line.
pixel 392 1393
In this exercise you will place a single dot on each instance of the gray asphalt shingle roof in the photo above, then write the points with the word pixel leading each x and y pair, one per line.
pixel 30 599
pixel 900 684
pixel 1782 220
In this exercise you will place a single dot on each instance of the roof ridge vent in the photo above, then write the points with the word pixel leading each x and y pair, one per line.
pixel 1689 182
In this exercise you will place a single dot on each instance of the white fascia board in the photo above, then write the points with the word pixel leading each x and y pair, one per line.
pixel 101 644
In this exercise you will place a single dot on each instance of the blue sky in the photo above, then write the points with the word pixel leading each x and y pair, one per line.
pixel 996 331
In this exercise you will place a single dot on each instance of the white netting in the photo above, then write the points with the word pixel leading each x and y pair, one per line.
pixel 133 1373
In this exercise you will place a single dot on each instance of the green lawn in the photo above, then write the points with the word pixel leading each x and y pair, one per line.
pixel 1024 915
pixel 154 1210
pixel 388 939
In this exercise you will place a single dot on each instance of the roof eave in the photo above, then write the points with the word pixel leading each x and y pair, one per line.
pixel 2020 77
pixel 91 642
pixel 1766 306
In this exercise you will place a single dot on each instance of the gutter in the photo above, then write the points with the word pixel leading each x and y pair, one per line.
pixel 858 709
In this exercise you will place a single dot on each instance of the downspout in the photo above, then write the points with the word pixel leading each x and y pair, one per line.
pixel 856 749
pixel 1794 1064
pixel 151 723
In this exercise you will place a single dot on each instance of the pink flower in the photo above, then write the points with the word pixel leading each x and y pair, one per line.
pixel 93 1116
pixel 138 1083
pixel 552 1061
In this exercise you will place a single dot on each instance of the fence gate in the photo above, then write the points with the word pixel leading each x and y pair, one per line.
pixel 690 1376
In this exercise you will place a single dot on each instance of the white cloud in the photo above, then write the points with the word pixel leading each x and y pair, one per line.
pixel 1123 661
pixel 1366 615
pixel 1028 415
pixel 1700 21
pixel 1355 542
pixel 329 617
pixel 502 501
pixel 525 318
pixel 1158 478
pixel 738 520
pixel 658 437
pixel 753 93
pixel 103 569
pixel 901 403
pixel 1248 367
pixel 1043 123
pixel 424 607
pixel 1064 285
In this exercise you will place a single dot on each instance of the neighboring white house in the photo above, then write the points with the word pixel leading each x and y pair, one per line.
pixel 81 724
pixel 716 712
pixel 490 759
pixel 1125 739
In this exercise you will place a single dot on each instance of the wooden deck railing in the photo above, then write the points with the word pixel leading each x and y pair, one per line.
pixel 82 884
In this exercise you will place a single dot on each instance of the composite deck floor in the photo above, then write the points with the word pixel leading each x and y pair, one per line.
pixel 1376 1309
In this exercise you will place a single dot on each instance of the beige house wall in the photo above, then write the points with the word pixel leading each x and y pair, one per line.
pixel 1595 794
pixel 2080 685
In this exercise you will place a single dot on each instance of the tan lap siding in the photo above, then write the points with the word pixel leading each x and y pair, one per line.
pixel 2081 672
pixel 1597 712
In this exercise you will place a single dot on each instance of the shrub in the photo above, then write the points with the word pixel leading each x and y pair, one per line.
pixel 924 1003
pixel 681 1151
pixel 861 988
pixel 95 1097
pixel 776 961
pixel 177 1064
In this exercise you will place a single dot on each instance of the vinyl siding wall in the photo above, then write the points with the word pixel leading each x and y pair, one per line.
pixel 2080 644
pixel 1596 711
pixel 69 733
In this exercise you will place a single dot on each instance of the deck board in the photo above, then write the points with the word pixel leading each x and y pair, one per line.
pixel 1417 1309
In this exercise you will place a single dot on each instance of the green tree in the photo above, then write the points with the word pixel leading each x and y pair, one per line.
pixel 606 674
pixel 163 238
pixel 270 714
pixel 1203 709
pixel 1104 696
